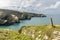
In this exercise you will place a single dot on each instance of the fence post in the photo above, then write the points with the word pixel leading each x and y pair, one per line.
pixel 51 21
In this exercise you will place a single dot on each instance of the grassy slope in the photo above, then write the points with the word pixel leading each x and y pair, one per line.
pixel 38 32
pixel 30 33
pixel 12 35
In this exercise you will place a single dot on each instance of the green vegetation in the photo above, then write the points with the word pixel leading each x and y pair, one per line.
pixel 43 32
pixel 12 35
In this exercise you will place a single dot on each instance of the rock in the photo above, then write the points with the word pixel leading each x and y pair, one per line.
pixel 15 18
pixel 2 21
pixel 24 17
pixel 11 17
pixel 42 15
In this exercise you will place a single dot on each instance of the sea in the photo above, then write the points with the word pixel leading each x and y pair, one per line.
pixel 34 21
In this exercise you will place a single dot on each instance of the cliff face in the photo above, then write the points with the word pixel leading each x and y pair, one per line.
pixel 10 16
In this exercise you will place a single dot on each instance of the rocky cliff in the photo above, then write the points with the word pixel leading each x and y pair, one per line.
pixel 11 17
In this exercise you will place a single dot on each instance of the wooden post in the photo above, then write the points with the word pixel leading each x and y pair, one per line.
pixel 51 21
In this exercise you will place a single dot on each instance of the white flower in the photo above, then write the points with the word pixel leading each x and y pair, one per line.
pixel 32 35
pixel 59 33
pixel 39 32
pixel 39 35
pixel 38 38
pixel 45 37
pixel 55 32
pixel 54 39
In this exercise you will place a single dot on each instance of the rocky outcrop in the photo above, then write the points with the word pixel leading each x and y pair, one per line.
pixel 11 17
pixel 34 14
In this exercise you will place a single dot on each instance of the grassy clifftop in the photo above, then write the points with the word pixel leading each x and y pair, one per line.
pixel 12 35
pixel 43 32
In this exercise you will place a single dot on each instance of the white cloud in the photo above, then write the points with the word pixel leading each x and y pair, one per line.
pixel 30 5
pixel 27 3
pixel 21 3
pixel 4 3
pixel 38 5
pixel 14 4
pixel 54 6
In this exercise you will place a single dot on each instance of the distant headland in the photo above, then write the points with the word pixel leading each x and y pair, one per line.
pixel 8 17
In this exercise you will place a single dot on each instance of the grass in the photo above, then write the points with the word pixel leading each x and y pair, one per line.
pixel 12 35
pixel 27 32
pixel 45 30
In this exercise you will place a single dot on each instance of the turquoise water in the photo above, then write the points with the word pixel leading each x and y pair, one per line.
pixel 35 21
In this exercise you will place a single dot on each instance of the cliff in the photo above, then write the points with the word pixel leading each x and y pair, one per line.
pixel 11 16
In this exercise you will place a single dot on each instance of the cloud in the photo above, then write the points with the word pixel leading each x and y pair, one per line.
pixel 56 5
pixel 27 3
pixel 38 5
pixel 30 5
pixel 22 3
pixel 16 4
pixel 4 3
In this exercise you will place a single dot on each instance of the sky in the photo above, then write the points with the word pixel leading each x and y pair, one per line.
pixel 37 6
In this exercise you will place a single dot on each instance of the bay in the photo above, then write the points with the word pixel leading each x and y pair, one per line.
pixel 34 21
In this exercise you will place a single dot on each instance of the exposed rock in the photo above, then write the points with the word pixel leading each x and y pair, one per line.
pixel 11 17
pixel 14 18
pixel 3 21
pixel 25 16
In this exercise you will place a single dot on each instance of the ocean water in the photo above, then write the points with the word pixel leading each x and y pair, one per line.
pixel 35 21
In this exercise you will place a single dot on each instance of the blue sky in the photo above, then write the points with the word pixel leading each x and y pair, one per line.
pixel 38 6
